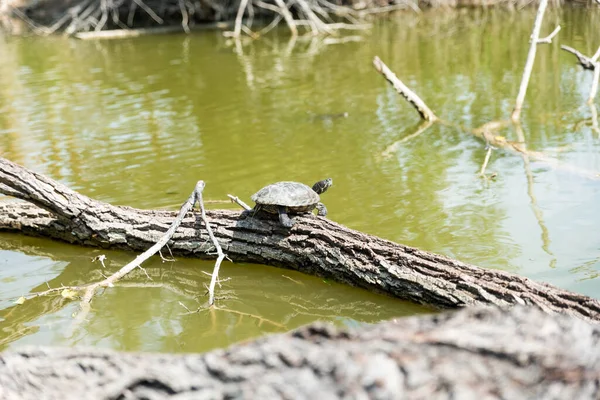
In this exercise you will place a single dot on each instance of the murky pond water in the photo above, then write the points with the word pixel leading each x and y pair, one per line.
pixel 137 122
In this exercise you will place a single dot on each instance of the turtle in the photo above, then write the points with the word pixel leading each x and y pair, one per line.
pixel 291 197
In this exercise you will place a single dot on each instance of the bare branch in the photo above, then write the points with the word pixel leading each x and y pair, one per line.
pixel 220 254
pixel 149 11
pixel 584 61
pixel 486 161
pixel 548 39
pixel 239 202
pixel 287 15
pixel 424 111
pixel 185 19
pixel 238 19
pixel 530 60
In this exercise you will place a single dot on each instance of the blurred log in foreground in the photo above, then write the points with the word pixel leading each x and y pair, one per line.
pixel 483 353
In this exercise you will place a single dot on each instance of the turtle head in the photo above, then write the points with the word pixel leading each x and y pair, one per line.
pixel 322 186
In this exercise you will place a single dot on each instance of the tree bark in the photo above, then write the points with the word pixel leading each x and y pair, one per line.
pixel 474 353
pixel 315 245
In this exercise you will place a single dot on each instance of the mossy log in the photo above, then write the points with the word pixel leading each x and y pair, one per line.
pixel 485 353
pixel 315 245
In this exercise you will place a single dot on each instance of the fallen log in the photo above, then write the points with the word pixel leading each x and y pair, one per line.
pixel 315 245
pixel 473 353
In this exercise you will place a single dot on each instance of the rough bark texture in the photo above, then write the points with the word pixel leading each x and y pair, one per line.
pixel 471 354
pixel 315 245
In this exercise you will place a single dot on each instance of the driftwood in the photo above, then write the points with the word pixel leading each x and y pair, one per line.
pixel 474 353
pixel 315 245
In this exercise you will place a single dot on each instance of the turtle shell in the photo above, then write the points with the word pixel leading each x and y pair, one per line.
pixel 297 197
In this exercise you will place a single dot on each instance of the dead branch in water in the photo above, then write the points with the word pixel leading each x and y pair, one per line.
pixel 585 62
pixel 534 41
pixel 486 132
pixel 410 96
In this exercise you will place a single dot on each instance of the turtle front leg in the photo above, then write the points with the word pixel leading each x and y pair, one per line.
pixel 321 210
pixel 284 218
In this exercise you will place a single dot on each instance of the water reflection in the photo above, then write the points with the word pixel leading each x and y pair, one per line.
pixel 139 121
pixel 159 314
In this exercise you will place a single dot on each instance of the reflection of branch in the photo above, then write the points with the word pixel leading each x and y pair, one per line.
pixel 394 146
pixel 537 26
pixel 404 91
pixel 594 88
pixel 536 209
pixel 488 132
pixel 258 317
pixel 594 118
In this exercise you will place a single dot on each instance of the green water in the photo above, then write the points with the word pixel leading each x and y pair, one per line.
pixel 137 122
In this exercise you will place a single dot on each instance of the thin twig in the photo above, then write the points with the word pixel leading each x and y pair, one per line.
pixel 239 202
pixel 486 160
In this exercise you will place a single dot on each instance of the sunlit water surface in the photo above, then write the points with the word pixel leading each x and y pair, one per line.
pixel 137 122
